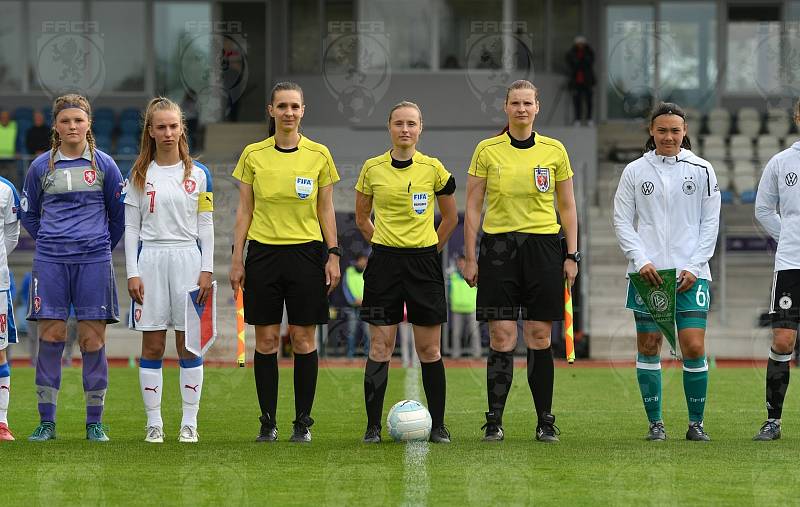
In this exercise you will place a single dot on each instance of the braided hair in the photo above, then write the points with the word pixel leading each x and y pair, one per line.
pixel 71 101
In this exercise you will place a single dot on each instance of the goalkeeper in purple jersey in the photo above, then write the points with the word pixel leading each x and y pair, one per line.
pixel 71 207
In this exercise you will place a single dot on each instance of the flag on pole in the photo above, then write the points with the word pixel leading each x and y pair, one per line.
pixel 239 328
pixel 201 321
pixel 569 333
pixel 660 302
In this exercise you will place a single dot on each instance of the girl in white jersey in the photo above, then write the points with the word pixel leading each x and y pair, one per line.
pixel 168 208
pixel 778 211
pixel 673 197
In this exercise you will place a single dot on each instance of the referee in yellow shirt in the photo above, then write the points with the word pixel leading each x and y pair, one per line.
pixel 405 267
pixel 521 269
pixel 285 210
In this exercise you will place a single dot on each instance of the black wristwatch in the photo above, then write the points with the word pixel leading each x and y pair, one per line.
pixel 575 256
pixel 335 250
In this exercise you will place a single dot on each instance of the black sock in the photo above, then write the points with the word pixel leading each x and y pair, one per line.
pixel 266 371
pixel 435 384
pixel 540 379
pixel 306 367
pixel 777 383
pixel 499 375
pixel 376 377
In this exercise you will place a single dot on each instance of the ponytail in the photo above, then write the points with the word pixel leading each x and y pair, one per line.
pixel 667 108
pixel 283 85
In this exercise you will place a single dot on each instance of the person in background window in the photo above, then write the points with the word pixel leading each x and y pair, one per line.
pixel 37 139
pixel 580 62
pixel 462 310
pixel 8 145
pixel 353 288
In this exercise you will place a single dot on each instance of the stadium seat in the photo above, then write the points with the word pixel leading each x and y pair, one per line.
pixel 713 147
pixel 778 122
pixel 723 179
pixel 23 113
pixel 726 196
pixel 103 143
pixel 743 167
pixel 127 145
pixel 125 165
pixel 748 121
pixel 767 146
pixel 48 115
pixel 741 147
pixel 693 118
pixel 743 182
pixel 718 122
pixel 748 197
pixel 104 113
pixel 720 166
pixel 130 114
pixel 103 127
pixel 129 127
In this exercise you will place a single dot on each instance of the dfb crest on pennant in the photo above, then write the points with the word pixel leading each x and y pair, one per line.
pixel 189 185
pixel 89 176
pixel 542 177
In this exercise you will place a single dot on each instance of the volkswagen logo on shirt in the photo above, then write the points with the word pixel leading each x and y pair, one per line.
pixel 791 179
pixel 647 187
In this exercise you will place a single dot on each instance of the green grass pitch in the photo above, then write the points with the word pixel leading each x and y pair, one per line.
pixel 601 459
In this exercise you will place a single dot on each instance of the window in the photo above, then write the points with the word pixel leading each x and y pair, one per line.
pixel 11 71
pixel 61 54
pixel 180 49
pixel 305 44
pixel 566 26
pixel 631 60
pixel 408 27
pixel 462 25
pixel 755 45
pixel 123 25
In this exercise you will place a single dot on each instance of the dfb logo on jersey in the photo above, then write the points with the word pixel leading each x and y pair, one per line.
pixel 189 185
pixel 137 314
pixel 542 177
pixel 89 176
pixel 303 187
pixel 419 201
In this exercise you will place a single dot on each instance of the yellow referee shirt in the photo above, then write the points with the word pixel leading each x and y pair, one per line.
pixel 403 199
pixel 520 183
pixel 285 186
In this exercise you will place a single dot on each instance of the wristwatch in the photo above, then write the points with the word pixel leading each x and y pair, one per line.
pixel 575 256
pixel 335 250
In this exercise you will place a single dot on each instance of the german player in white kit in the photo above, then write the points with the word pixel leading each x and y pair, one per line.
pixel 9 235
pixel 169 248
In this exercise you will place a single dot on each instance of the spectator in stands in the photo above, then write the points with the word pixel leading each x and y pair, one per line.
pixel 462 312
pixel 580 62
pixel 666 216
pixel 8 145
pixel 37 139
pixel 353 287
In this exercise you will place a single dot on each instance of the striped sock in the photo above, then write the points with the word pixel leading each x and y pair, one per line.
pixel 695 386
pixel 95 383
pixel 48 378
pixel 648 373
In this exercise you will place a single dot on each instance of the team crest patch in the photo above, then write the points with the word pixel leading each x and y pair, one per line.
pixel 37 304
pixel 89 176
pixel 542 177
pixel 419 201
pixel 689 187
pixel 304 187
pixel 137 314
pixel 785 302
pixel 3 323
pixel 189 185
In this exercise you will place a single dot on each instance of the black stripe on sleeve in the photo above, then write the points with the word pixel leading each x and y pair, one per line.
pixel 449 187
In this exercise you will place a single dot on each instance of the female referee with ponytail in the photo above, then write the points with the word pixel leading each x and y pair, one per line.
pixel 520 270
pixel 285 211
pixel 405 267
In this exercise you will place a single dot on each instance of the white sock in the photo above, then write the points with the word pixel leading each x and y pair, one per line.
pixel 191 388
pixel 150 382
pixel 5 391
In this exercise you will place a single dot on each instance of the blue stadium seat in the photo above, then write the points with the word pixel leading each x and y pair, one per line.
pixel 727 197
pixel 129 127
pixel 125 166
pixel 104 113
pixel 103 127
pixel 130 114
pixel 103 143
pixel 23 124
pixel 24 113
pixel 748 197
pixel 127 145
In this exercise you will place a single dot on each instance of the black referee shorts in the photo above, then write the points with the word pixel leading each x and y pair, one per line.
pixel 291 273
pixel 403 275
pixel 784 308
pixel 520 274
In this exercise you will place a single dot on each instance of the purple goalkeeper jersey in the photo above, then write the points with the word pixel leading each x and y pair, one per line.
pixel 74 212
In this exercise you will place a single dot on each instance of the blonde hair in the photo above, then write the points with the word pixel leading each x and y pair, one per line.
pixel 147 145
pixel 522 84
pixel 402 104
pixel 70 101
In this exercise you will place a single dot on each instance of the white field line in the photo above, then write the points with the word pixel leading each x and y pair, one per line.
pixel 415 468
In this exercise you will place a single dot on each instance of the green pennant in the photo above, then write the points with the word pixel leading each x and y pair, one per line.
pixel 659 301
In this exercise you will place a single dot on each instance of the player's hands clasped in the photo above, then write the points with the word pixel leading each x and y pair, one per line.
pixel 136 289
pixel 332 273
pixel 685 281
pixel 204 282
pixel 237 276
pixel 650 273
pixel 471 272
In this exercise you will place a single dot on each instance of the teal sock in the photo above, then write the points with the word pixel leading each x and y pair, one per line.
pixel 648 373
pixel 695 386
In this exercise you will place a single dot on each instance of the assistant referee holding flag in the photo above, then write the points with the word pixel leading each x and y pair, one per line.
pixel 521 268
pixel 405 266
